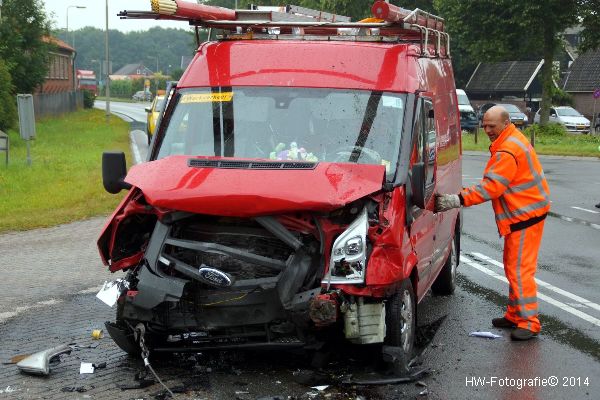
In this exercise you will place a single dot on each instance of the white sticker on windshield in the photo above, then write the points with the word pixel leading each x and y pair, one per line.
pixel 391 101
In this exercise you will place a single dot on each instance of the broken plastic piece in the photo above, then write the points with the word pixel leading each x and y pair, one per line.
pixel 110 291
pixel 487 335
pixel 99 365
pixel 320 388
pixel 39 363
pixel 86 368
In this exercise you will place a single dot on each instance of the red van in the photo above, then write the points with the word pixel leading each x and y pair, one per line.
pixel 288 196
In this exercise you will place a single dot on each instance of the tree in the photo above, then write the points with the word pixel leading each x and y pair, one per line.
pixel 498 30
pixel 8 110
pixel 23 28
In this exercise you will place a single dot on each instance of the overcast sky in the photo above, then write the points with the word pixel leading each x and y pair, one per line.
pixel 95 15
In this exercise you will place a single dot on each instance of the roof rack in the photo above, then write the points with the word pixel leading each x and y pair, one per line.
pixel 390 23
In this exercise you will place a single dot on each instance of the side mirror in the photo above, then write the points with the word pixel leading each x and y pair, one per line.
pixel 148 109
pixel 114 170
pixel 418 185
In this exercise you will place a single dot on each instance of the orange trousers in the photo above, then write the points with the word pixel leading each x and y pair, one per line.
pixel 520 263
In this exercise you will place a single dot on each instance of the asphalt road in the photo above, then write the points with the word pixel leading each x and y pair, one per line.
pixel 129 111
pixel 56 306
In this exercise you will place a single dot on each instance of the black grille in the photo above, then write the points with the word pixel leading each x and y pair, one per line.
pixel 235 233
pixel 196 163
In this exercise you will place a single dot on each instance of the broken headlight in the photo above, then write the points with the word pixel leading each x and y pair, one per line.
pixel 349 253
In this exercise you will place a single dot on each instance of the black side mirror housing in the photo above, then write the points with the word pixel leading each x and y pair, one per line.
pixel 114 170
pixel 418 184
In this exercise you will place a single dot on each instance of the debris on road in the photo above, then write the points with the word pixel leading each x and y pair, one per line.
pixel 487 335
pixel 39 363
pixel 97 334
pixel 8 390
pixel 110 291
pixel 86 368
pixel 320 388
pixel 79 389
pixel 99 365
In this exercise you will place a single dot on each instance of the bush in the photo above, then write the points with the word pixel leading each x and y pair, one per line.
pixel 121 88
pixel 561 98
pixel 88 99
pixel 546 130
pixel 8 107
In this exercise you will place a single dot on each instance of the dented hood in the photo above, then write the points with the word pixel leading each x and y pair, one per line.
pixel 171 183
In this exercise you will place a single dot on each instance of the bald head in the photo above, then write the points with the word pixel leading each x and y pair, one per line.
pixel 495 120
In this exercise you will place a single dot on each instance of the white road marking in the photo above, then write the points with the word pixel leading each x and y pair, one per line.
pixel 540 296
pixel 546 285
pixel 21 309
pixel 586 210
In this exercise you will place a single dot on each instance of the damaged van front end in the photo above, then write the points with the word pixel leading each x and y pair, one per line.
pixel 223 265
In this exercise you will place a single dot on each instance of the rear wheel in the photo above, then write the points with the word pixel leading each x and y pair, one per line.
pixel 400 320
pixel 445 283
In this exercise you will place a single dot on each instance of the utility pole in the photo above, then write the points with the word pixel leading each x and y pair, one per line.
pixel 107 69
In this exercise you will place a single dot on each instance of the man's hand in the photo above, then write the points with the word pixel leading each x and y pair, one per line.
pixel 445 202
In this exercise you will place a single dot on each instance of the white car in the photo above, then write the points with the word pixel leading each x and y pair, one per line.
pixel 567 116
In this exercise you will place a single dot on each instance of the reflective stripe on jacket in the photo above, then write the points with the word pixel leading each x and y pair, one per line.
pixel 513 180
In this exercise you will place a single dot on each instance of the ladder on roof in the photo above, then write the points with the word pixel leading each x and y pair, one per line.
pixel 391 22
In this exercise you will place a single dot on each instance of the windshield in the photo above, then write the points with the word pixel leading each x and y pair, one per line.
pixel 511 108
pixel 286 124
pixel 463 99
pixel 568 112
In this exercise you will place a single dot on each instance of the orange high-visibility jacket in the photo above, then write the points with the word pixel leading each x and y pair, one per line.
pixel 513 180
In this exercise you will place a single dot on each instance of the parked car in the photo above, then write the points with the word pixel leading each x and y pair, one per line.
pixel 517 117
pixel 142 96
pixel 482 109
pixel 152 115
pixel 468 117
pixel 282 205
pixel 572 120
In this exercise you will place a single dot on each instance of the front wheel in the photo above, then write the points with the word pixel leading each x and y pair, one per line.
pixel 445 283
pixel 401 324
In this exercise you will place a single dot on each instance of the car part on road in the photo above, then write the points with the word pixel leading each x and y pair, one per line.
pixel 39 363
pixel 487 335
pixel 411 377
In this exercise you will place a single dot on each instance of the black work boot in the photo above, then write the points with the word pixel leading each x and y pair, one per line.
pixel 502 323
pixel 522 334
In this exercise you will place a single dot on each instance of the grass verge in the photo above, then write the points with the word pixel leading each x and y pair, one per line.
pixel 64 182
pixel 565 145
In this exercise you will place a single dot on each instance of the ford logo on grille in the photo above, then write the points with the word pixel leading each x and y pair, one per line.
pixel 213 276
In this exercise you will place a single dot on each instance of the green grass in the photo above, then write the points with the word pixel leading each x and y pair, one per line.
pixel 64 182
pixel 567 145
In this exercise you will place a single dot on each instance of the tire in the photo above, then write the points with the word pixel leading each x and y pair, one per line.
pixel 445 283
pixel 401 324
